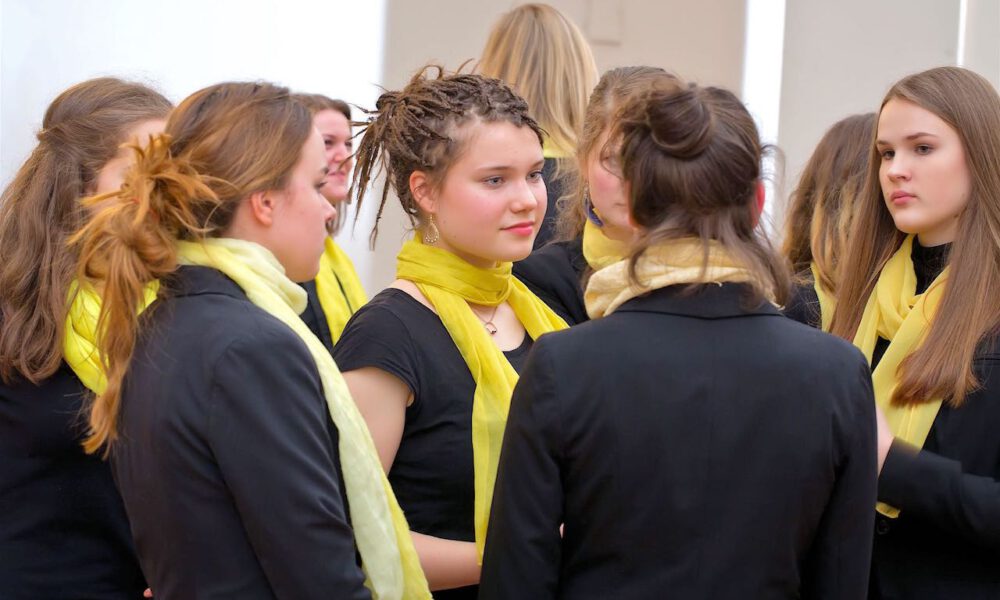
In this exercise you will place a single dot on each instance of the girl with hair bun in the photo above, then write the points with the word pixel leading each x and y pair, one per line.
pixel 690 440
pixel 336 293
pixel 244 465
pixel 545 58
pixel 64 532
pixel 432 360
pixel 592 230
pixel 918 295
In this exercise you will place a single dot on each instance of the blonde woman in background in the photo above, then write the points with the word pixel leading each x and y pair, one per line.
pixel 543 55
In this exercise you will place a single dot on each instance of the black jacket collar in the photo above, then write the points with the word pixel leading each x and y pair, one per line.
pixel 196 281
pixel 709 301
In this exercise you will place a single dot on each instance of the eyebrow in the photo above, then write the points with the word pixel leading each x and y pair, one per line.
pixel 912 136
pixel 508 167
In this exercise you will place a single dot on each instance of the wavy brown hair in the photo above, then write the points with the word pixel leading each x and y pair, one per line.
pixel 614 88
pixel 823 204
pixel 422 128
pixel 221 144
pixel 691 156
pixel 81 131
pixel 968 312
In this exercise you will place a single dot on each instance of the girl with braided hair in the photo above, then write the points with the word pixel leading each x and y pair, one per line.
pixel 64 532
pixel 432 360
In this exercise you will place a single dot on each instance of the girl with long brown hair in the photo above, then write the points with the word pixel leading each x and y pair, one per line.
pixel 918 295
pixel 63 532
pixel 819 217
pixel 691 442
pixel 244 465
pixel 592 230
pixel 545 58
pixel 336 293
pixel 432 360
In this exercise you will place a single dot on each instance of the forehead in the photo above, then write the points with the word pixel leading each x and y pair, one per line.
pixel 499 142
pixel 901 118
pixel 330 120
pixel 313 157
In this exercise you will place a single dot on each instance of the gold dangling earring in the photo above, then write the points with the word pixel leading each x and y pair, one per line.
pixel 431 233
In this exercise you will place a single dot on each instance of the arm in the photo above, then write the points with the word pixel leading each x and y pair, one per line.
pixel 523 545
pixel 382 399
pixel 268 429
pixel 936 488
pixel 840 557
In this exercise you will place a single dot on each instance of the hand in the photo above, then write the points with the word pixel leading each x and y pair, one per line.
pixel 885 437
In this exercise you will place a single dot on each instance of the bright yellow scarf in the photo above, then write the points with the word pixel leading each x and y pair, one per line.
pixel 338 287
pixel 382 535
pixel 600 250
pixel 826 300
pixel 80 334
pixel 674 262
pixel 895 312
pixel 450 284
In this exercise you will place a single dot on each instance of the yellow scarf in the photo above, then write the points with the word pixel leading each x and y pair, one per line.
pixel 826 300
pixel 600 250
pixel 382 535
pixel 894 312
pixel 338 287
pixel 449 284
pixel 670 263
pixel 80 337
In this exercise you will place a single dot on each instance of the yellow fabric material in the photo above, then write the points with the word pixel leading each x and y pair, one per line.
pixel 388 557
pixel 675 262
pixel 80 334
pixel 895 312
pixel 338 287
pixel 599 250
pixel 450 284
pixel 826 301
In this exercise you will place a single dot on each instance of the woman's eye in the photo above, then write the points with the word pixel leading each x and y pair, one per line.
pixel 923 149
pixel 319 186
pixel 887 154
pixel 535 176
pixel 493 180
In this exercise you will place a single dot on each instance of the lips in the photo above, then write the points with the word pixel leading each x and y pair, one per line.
pixel 901 197
pixel 525 228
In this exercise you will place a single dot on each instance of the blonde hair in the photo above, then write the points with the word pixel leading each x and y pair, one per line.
pixel 543 55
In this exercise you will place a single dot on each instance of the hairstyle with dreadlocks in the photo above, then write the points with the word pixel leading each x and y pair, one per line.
pixel 422 127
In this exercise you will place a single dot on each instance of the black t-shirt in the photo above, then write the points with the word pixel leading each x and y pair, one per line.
pixel 553 191
pixel 432 474
pixel 555 273
pixel 63 530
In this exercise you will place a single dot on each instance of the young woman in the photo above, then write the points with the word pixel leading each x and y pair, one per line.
pixel 692 442
pixel 819 217
pixel 918 294
pixel 234 441
pixel 593 230
pixel 336 293
pixel 432 360
pixel 63 533
pixel 546 59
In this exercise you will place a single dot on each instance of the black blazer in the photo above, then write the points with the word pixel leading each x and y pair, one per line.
pixel 554 274
pixel 693 449
pixel 227 460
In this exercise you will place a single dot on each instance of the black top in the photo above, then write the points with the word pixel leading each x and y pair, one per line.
pixel 554 273
pixel 227 458
pixel 314 317
pixel 694 449
pixel 63 531
pixel 803 305
pixel 432 474
pixel 946 541
pixel 553 191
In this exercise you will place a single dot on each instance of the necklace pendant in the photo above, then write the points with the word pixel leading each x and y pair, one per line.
pixel 490 327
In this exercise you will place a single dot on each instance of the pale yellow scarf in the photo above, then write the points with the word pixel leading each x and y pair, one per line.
pixel 382 535
pixel 895 312
pixel 681 261
pixel 599 250
pixel 450 284
pixel 338 287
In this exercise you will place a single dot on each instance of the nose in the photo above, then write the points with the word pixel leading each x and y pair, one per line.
pixel 898 168
pixel 527 197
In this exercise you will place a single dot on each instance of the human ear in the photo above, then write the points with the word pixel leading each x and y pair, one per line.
pixel 262 207
pixel 420 189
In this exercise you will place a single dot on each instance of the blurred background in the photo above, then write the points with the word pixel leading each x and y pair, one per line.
pixel 800 65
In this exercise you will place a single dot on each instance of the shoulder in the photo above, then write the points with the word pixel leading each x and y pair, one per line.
pixel 553 262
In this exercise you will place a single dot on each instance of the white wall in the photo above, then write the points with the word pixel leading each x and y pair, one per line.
pixel 326 46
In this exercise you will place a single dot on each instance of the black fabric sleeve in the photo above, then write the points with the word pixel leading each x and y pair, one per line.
pixel 268 431
pixel 376 337
pixel 523 545
pixel 935 488
pixel 803 306
pixel 840 557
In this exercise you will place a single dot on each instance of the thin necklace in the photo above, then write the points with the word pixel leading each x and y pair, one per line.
pixel 488 323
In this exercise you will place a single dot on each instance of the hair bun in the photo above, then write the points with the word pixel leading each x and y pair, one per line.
pixel 680 122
